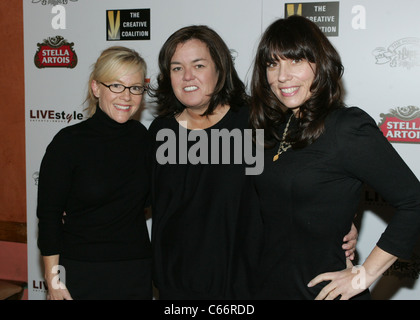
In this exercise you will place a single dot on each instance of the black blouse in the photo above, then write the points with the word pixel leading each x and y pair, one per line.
pixel 309 197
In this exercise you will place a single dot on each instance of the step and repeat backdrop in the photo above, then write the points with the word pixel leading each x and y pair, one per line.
pixel 378 40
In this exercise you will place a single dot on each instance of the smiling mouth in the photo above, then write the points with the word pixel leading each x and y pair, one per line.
pixel 123 108
pixel 190 88
pixel 289 91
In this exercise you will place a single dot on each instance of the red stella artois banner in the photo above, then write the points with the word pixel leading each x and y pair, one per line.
pixel 401 125
pixel 55 52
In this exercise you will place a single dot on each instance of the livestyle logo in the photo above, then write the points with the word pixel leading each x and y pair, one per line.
pixel 373 199
pixel 55 52
pixel 39 285
pixel 53 116
pixel 401 124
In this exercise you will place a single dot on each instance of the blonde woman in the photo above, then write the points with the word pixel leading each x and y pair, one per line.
pixel 97 172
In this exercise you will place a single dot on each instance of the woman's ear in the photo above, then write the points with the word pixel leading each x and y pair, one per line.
pixel 95 88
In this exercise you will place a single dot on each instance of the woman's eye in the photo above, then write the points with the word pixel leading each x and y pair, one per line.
pixel 116 86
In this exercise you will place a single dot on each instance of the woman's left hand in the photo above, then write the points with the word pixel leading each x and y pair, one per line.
pixel 343 284
pixel 350 241
pixel 347 283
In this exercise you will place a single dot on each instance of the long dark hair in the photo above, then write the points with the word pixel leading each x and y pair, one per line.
pixel 295 37
pixel 230 90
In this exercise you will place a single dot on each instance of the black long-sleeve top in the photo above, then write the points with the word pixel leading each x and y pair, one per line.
pixel 98 173
pixel 309 197
pixel 195 209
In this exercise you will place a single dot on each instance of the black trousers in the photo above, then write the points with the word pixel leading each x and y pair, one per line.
pixel 110 280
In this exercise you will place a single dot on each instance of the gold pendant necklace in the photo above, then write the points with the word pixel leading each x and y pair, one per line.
pixel 284 146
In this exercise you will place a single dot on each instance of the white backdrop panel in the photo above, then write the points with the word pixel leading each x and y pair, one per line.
pixel 364 26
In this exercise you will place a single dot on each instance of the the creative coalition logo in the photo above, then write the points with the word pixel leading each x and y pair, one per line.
pixel 53 2
pixel 54 116
pixel 401 124
pixel 324 14
pixel 133 24
pixel 401 53
pixel 55 52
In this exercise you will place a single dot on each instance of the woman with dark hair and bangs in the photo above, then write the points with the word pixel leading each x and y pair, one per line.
pixel 319 154
pixel 197 207
pixel 297 42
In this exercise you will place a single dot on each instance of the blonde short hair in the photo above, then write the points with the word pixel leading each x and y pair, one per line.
pixel 112 64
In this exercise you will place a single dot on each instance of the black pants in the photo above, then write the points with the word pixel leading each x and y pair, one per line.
pixel 111 280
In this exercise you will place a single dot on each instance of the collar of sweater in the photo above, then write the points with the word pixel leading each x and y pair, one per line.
pixel 104 122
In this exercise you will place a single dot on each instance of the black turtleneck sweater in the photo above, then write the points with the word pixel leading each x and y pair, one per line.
pixel 98 173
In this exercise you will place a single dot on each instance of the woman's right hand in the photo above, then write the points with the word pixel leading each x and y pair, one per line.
pixel 58 294
pixel 57 290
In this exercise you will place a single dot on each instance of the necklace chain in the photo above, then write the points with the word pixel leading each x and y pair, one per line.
pixel 284 145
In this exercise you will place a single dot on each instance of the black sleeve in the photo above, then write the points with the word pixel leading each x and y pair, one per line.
pixel 53 189
pixel 367 155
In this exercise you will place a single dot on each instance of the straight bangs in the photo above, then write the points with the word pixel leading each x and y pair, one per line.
pixel 117 69
pixel 287 44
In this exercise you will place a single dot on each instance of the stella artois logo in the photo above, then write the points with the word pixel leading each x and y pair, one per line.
pixel 401 53
pixel 55 52
pixel 401 125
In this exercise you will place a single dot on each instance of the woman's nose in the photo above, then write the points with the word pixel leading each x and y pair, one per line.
pixel 125 95
pixel 188 74
pixel 284 73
